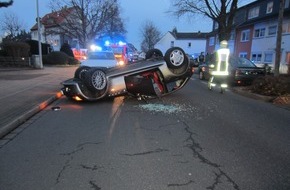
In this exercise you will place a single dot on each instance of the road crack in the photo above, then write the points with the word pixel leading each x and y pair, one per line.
pixel 158 150
pixel 218 180
pixel 94 186
pixel 180 184
pixel 79 148
pixel 196 151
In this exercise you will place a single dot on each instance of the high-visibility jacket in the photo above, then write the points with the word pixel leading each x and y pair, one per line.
pixel 222 65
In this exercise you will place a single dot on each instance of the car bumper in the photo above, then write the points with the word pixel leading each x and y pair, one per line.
pixel 75 89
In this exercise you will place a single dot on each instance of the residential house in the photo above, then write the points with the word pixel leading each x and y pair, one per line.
pixel 50 28
pixel 192 43
pixel 255 33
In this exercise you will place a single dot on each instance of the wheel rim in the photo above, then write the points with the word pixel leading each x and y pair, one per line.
pixel 99 80
pixel 176 57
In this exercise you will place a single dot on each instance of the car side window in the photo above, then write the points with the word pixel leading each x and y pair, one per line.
pixel 211 59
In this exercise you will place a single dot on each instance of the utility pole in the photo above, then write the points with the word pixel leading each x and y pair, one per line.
pixel 40 65
pixel 279 39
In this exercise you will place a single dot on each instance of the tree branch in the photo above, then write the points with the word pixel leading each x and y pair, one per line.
pixel 6 4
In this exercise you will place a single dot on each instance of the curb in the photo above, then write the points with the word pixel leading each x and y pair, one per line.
pixel 23 118
pixel 253 95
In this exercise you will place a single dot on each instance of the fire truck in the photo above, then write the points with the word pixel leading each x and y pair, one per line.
pixel 80 54
pixel 120 51
pixel 123 51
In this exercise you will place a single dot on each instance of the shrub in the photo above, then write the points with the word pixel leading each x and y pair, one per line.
pixel 59 58
pixel 271 86
pixel 55 58
pixel 3 52
pixel 16 49
pixel 73 61
pixel 67 49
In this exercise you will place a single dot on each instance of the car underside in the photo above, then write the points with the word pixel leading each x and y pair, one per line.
pixel 154 77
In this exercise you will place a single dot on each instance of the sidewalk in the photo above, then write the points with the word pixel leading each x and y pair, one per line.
pixel 25 91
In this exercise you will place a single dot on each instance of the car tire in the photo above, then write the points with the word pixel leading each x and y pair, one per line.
pixel 80 72
pixel 176 60
pixel 153 53
pixel 96 80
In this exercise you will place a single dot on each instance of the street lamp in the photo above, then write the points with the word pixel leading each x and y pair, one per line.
pixel 40 66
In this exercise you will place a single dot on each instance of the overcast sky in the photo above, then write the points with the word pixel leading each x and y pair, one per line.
pixel 134 12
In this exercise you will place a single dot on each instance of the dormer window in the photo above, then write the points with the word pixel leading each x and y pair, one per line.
pixel 269 7
pixel 253 12
pixel 287 2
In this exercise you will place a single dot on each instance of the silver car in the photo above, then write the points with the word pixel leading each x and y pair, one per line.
pixel 155 76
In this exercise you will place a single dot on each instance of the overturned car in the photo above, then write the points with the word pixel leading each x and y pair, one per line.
pixel 156 76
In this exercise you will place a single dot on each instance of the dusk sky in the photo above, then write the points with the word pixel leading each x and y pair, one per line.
pixel 135 14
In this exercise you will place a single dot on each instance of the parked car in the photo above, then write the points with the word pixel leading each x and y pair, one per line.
pixel 193 60
pixel 241 70
pixel 154 77
pixel 97 58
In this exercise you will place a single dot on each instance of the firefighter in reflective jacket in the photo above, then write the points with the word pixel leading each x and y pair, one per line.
pixel 220 72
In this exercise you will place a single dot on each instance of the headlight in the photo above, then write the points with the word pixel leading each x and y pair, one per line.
pixel 121 63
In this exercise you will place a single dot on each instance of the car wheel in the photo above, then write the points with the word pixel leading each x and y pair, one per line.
pixel 153 53
pixel 175 58
pixel 201 75
pixel 95 80
pixel 80 72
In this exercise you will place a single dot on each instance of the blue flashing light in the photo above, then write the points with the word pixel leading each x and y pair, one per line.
pixel 95 48
pixel 122 43
pixel 107 43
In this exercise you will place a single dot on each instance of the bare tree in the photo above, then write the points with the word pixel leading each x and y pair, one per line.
pixel 220 11
pixel 6 4
pixel 89 19
pixel 11 25
pixel 150 35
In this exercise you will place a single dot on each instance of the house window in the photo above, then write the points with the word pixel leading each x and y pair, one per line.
pixel 172 44
pixel 256 57
pixel 211 41
pixel 245 35
pixel 268 57
pixel 269 7
pixel 35 34
pixel 287 2
pixel 260 32
pixel 216 25
pixel 286 27
pixel 254 12
pixel 189 44
pixel 272 30
pixel 243 54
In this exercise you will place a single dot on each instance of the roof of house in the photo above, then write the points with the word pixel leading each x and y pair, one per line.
pixel 54 18
pixel 189 35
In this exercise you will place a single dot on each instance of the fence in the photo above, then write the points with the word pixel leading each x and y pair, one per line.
pixel 15 62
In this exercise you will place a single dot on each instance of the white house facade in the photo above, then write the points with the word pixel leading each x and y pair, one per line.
pixel 191 43
pixel 50 28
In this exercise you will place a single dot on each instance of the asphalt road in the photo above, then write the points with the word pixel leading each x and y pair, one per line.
pixel 192 139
